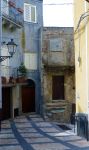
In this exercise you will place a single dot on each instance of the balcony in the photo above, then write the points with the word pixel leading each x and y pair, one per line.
pixel 57 51
pixel 12 15
pixel 8 71
pixel 9 75
pixel 57 59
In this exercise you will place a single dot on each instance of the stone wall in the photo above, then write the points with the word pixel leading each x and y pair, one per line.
pixel 58 60
pixel 53 107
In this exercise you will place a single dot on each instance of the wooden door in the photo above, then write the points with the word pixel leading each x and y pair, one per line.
pixel 58 87
pixel 28 99
pixel 6 96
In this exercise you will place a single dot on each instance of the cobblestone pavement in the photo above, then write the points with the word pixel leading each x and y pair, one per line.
pixel 33 133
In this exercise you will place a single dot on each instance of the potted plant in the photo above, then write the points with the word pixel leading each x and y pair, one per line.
pixel 22 70
pixel 3 79
pixel 12 80
pixel 22 73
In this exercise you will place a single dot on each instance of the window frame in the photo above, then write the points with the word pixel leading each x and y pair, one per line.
pixel 58 95
pixel 29 66
pixel 35 11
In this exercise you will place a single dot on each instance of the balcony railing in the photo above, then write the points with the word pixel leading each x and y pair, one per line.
pixel 11 13
pixel 8 71
pixel 9 75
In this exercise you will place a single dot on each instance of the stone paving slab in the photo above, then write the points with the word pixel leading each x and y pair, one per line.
pixel 31 132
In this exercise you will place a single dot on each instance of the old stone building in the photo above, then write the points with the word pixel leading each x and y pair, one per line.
pixel 58 75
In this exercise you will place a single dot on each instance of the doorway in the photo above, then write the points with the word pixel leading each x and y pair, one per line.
pixel 6 101
pixel 28 97
pixel 58 87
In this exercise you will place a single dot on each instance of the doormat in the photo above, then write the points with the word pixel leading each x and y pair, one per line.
pixel 63 127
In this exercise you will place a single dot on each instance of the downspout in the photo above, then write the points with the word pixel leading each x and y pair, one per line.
pixel 0 53
pixel 87 80
pixel 0 63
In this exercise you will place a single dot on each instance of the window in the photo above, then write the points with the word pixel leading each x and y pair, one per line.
pixel 5 8
pixel 29 13
pixel 58 87
pixel 56 44
pixel 31 61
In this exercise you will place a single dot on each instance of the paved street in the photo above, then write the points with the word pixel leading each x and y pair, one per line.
pixel 33 133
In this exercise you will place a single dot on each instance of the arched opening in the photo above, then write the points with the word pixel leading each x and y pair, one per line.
pixel 28 97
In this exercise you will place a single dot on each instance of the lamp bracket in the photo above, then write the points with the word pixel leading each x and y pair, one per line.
pixel 2 58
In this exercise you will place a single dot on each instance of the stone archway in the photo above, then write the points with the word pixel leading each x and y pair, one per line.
pixel 28 97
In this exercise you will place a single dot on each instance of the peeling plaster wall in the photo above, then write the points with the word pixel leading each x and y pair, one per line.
pixel 69 91
pixel 65 54
pixel 70 87
pixel 58 63
pixel 69 84
pixel 47 88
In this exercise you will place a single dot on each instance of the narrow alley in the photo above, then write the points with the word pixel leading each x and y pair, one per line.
pixel 31 132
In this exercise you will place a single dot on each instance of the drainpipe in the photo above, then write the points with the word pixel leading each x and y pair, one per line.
pixel 87 80
pixel 87 75
pixel 0 64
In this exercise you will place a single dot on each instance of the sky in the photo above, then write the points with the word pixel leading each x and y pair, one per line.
pixel 58 13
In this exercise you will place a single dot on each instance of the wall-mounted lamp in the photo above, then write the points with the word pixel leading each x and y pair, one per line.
pixel 79 60
pixel 11 49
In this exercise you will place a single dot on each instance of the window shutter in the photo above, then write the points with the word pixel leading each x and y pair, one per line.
pixel 31 61
pixel 27 12
pixel 33 13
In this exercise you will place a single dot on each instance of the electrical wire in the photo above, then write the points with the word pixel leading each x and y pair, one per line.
pixel 83 16
pixel 51 4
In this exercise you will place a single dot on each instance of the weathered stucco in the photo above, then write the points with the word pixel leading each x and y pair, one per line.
pixel 57 63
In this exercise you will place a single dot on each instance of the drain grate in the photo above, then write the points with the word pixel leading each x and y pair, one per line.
pixel 64 127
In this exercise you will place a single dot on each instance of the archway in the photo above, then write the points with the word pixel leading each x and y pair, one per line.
pixel 28 97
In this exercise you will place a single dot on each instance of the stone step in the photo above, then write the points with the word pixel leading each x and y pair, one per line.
pixel 55 104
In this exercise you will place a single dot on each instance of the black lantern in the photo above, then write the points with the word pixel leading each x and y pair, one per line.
pixel 11 49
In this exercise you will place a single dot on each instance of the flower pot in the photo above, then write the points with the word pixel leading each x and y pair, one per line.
pixel 12 4
pixel 12 80
pixel 20 10
pixel 21 80
pixel 3 79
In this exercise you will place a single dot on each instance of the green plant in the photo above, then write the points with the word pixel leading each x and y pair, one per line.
pixel 22 71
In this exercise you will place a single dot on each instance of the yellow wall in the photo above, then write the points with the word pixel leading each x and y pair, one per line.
pixel 81 52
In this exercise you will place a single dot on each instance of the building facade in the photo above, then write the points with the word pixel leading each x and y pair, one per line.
pixel 81 21
pixel 21 21
pixel 58 74
pixel 32 46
